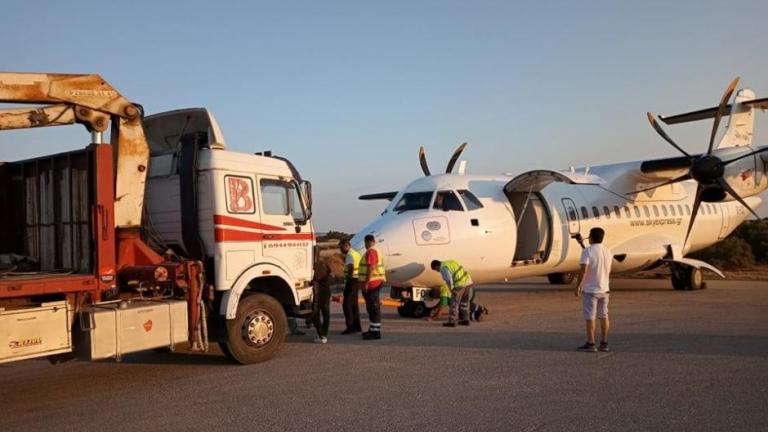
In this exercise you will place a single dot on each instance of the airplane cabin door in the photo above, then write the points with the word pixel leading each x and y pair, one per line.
pixel 572 215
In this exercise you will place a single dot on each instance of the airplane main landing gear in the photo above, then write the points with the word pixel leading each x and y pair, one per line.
pixel 561 278
pixel 687 278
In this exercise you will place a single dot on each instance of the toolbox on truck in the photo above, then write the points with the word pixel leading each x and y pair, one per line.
pixel 35 332
pixel 113 329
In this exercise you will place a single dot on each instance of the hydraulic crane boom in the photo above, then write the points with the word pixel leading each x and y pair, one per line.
pixel 92 102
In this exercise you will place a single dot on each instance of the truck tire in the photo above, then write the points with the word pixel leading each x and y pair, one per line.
pixel 257 331
pixel 561 278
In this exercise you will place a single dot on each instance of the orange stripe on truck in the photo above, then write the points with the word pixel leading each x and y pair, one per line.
pixel 223 235
pixel 229 220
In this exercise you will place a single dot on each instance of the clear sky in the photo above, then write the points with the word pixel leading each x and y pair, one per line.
pixel 348 90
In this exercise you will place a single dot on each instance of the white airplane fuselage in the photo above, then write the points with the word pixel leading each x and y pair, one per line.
pixel 526 229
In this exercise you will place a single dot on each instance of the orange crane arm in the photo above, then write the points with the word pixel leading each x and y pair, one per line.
pixel 92 102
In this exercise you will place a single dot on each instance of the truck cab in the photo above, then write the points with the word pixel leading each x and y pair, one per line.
pixel 247 217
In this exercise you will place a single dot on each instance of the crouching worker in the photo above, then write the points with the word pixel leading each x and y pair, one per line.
pixel 321 314
pixel 460 284
pixel 442 305
pixel 371 274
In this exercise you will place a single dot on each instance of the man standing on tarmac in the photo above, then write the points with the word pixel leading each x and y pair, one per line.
pixel 593 280
pixel 351 287
pixel 372 277
pixel 460 284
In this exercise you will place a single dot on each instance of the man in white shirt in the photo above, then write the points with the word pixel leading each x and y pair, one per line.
pixel 593 280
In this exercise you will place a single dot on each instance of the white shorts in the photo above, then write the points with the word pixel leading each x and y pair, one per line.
pixel 595 304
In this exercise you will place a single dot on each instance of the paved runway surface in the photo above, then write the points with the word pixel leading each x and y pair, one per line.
pixel 680 361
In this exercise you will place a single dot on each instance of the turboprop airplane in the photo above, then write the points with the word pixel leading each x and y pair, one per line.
pixel 501 227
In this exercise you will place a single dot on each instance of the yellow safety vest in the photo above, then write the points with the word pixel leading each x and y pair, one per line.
pixel 461 277
pixel 378 271
pixel 355 264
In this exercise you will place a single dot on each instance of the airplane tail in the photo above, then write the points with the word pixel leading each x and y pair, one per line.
pixel 741 118
pixel 741 122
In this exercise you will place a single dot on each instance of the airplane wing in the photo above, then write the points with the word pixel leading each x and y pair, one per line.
pixel 389 196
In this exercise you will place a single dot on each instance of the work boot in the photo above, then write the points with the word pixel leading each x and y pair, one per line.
pixel 348 332
pixel 464 322
pixel 449 324
pixel 369 335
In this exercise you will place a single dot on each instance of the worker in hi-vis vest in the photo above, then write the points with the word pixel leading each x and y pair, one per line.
pixel 371 275
pixel 351 288
pixel 460 284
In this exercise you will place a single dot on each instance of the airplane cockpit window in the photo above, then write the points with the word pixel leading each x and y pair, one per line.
pixel 414 201
pixel 447 201
pixel 470 200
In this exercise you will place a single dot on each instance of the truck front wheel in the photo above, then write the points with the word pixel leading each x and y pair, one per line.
pixel 257 331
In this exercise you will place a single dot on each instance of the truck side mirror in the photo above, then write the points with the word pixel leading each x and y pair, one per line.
pixel 306 187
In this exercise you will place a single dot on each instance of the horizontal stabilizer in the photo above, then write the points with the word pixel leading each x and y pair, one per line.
pixel 389 196
pixel 708 113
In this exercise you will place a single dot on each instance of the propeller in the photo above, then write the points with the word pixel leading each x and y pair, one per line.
pixel 706 169
pixel 451 163
pixel 455 158
pixel 423 161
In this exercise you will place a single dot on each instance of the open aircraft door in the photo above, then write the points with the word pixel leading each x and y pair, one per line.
pixel 574 225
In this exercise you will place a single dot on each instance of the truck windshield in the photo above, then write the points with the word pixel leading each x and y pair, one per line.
pixel 414 201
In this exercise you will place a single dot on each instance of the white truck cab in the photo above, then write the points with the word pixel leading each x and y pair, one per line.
pixel 246 216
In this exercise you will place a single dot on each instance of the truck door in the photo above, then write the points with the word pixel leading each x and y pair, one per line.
pixel 572 215
pixel 287 236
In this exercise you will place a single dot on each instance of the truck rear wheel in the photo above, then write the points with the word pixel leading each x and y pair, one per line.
pixel 257 331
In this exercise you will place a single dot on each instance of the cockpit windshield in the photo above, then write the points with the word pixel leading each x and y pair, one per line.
pixel 414 201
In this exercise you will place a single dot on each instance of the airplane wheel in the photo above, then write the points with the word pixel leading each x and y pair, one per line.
pixel 561 278
pixel 687 278
pixel 406 309
pixel 419 310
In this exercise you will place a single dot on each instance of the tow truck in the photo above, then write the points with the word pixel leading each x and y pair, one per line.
pixel 156 237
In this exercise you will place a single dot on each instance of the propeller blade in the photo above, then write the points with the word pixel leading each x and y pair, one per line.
pixel 696 204
pixel 423 161
pixel 720 111
pixel 724 184
pixel 744 156
pixel 683 177
pixel 455 158
pixel 664 135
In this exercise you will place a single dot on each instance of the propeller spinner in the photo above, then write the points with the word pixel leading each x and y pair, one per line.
pixel 706 169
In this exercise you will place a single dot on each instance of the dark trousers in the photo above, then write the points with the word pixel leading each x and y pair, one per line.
pixel 373 306
pixel 460 304
pixel 322 313
pixel 350 307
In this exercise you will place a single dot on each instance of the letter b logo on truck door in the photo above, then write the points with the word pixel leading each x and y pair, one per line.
pixel 239 194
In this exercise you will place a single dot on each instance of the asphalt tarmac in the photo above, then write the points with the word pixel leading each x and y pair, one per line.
pixel 679 361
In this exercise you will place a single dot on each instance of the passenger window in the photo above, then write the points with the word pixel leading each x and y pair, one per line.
pixel 687 209
pixel 646 211
pixel 714 207
pixel 470 200
pixel 637 211
pixel 627 213
pixel 414 201
pixel 596 212
pixel 447 201
pixel 584 213
pixel 617 211
pixel 705 209
pixel 672 209
pixel 274 197
pixel 606 212
pixel 680 210
pixel 655 210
